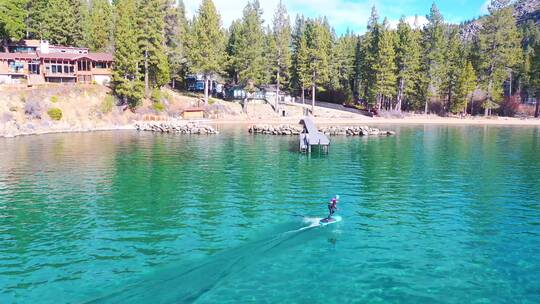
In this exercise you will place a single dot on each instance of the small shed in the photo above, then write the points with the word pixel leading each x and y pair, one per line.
pixel 193 113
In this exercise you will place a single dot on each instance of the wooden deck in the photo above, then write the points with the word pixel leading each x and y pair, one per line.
pixel 312 137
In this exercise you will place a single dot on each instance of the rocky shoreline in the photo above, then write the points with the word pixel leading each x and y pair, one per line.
pixel 332 131
pixel 176 127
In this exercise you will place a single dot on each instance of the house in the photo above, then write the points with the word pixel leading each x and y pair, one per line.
pixel 36 61
pixel 239 92
pixel 195 83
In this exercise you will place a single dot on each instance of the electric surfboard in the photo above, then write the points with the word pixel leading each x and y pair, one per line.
pixel 328 221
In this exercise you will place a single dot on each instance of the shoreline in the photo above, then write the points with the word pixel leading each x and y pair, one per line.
pixel 506 121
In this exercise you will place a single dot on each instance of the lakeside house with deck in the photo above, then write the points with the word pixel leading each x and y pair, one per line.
pixel 37 61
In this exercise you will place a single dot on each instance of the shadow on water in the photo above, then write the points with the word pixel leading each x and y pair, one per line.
pixel 183 283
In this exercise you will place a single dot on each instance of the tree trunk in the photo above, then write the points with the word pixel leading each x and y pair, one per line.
pixel 537 111
pixel 400 94
pixel 173 84
pixel 303 95
pixel 146 89
pixel 472 106
pixel 313 99
pixel 426 107
pixel 205 89
pixel 277 91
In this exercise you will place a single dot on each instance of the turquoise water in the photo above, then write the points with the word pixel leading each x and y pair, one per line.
pixel 435 214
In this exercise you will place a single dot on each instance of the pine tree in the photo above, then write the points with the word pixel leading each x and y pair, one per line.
pixel 500 52
pixel 466 85
pixel 269 49
pixel 127 57
pixel 433 58
pixel 526 76
pixel 250 60
pixel 176 28
pixel 343 65
pixel 319 46
pixel 99 29
pixel 370 58
pixel 63 22
pixel 297 83
pixel 280 46
pixel 36 19
pixel 206 43
pixel 12 17
pixel 79 10
pixel 453 57
pixel 358 62
pixel 385 67
pixel 534 70
pixel 151 22
pixel 408 62
pixel 233 44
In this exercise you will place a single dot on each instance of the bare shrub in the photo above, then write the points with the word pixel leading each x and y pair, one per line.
pixel 34 109
pixel 6 117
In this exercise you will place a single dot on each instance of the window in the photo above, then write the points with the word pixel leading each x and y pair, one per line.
pixel 33 68
pixel 83 65
pixel 16 66
pixel 66 69
pixel 101 65
pixel 53 67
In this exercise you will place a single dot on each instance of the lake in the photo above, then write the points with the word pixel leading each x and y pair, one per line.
pixel 435 214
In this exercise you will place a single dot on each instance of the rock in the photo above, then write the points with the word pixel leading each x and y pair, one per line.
pixel 176 127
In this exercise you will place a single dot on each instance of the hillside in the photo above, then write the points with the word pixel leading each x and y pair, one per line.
pixel 34 110
pixel 524 10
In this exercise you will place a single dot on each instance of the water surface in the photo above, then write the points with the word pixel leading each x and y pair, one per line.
pixel 436 214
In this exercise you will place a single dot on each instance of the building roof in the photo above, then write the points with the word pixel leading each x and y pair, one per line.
pixel 58 56
pixel 68 47
pixel 99 56
pixel 194 110
pixel 24 56
pixel 69 56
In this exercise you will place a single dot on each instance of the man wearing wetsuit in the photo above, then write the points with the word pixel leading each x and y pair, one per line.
pixel 332 206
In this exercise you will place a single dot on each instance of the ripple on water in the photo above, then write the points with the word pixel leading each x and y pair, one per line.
pixel 435 214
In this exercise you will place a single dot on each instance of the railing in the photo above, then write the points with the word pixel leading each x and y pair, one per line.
pixel 16 71
pixel 50 74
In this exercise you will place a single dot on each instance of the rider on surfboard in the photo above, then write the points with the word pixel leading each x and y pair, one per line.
pixel 332 206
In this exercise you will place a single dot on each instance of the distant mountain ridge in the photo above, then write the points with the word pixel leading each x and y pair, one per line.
pixel 524 10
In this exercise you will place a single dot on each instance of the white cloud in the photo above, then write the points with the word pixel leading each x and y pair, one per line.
pixel 341 14
pixel 413 21
pixel 484 8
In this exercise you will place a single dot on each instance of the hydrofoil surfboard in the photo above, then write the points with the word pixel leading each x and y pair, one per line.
pixel 327 221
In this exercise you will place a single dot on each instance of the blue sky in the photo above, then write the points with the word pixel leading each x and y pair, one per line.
pixel 352 14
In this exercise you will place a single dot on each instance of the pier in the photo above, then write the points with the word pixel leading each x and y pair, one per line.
pixel 311 136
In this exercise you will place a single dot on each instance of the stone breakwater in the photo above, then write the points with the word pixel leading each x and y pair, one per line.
pixel 177 127
pixel 275 130
pixel 333 130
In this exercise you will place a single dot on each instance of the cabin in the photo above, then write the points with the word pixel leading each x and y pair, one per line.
pixel 193 113
pixel 36 62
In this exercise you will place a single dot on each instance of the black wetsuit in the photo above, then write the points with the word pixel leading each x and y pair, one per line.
pixel 331 209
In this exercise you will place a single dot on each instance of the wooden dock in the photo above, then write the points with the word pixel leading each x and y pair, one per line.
pixel 311 136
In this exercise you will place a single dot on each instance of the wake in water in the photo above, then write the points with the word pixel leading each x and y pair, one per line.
pixel 185 284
